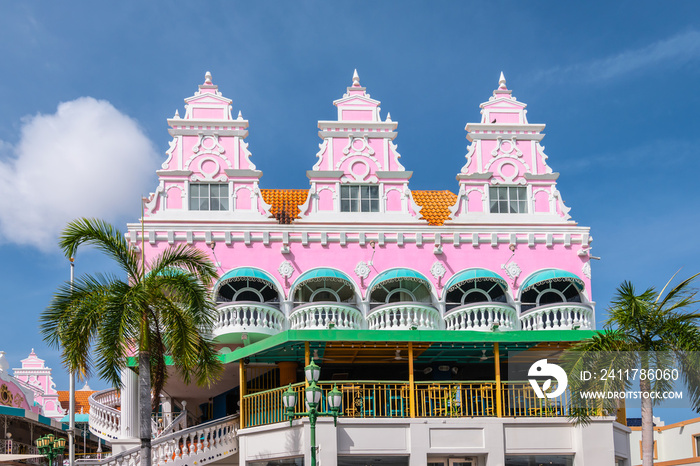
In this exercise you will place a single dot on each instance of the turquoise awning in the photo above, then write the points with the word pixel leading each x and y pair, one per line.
pixel 246 273
pixel 321 274
pixel 475 274
pixel 551 275
pixel 396 275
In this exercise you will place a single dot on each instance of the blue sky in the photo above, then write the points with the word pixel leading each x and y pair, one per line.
pixel 616 83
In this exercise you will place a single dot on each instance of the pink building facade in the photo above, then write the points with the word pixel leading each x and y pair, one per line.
pixel 360 220
pixel 410 299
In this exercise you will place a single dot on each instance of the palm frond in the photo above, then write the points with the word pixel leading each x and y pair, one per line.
pixel 104 237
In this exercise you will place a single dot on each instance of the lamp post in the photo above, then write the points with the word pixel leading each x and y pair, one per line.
pixel 51 447
pixel 313 399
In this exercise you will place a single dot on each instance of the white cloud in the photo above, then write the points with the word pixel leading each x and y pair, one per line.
pixel 671 52
pixel 86 160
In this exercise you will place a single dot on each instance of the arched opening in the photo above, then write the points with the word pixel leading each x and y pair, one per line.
pixel 400 289
pixel 474 291
pixel 550 292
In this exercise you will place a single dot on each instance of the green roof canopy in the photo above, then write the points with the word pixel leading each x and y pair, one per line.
pixel 246 273
pixel 396 275
pixel 474 275
pixel 320 274
pixel 551 275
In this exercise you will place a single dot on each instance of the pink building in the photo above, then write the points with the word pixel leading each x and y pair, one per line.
pixel 36 375
pixel 410 300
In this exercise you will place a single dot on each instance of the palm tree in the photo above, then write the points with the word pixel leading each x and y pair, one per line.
pixel 651 330
pixel 158 308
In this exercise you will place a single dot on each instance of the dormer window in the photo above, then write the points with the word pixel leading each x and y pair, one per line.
pixel 359 198
pixel 508 199
pixel 208 196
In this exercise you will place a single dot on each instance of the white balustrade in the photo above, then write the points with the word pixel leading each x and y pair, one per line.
pixel 325 315
pixel 404 316
pixel 482 317
pixel 248 317
pixel 105 419
pixel 562 316
pixel 217 439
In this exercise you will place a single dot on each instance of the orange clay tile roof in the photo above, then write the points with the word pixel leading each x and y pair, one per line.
pixel 436 205
pixel 285 202
pixel 81 400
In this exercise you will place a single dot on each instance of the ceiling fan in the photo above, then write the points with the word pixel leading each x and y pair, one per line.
pixel 397 357
pixel 483 356
pixel 317 357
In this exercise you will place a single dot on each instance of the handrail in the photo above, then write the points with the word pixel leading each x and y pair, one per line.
pixel 403 316
pixel 324 314
pixel 378 399
pixel 482 316
pixel 104 420
pixel 188 446
pixel 557 316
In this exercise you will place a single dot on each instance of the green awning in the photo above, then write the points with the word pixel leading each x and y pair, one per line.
pixel 321 274
pixel 397 275
pixel 246 273
pixel 551 275
pixel 475 274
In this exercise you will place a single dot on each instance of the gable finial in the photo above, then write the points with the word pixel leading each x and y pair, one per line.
pixel 388 116
pixel 207 78
pixel 355 79
pixel 240 115
pixel 502 82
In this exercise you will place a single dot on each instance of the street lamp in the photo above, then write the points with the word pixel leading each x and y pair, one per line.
pixel 313 396
pixel 50 446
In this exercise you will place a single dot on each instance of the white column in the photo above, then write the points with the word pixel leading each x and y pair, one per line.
pixel 129 404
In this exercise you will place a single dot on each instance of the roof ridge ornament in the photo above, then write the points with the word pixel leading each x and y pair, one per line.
pixel 502 82
pixel 355 79
pixel 207 78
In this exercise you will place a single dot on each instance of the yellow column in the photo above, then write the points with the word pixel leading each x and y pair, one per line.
pixel 242 387
pixel 497 362
pixel 307 358
pixel 411 382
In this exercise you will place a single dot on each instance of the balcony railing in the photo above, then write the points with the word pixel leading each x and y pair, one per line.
pixel 387 399
pixel 482 317
pixel 325 315
pixel 105 419
pixel 560 316
pixel 404 316
pixel 248 317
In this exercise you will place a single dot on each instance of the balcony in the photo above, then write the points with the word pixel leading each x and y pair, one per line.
pixel 560 316
pixel 404 316
pixel 392 399
pixel 325 315
pixel 482 317
pixel 257 320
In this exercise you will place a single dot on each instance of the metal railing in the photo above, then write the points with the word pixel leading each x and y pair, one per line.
pixel 383 399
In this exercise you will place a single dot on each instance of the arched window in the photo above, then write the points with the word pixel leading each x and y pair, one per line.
pixel 400 289
pixel 246 289
pixel 546 293
pixel 475 291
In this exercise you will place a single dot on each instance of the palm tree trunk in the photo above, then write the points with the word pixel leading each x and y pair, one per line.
pixel 145 406
pixel 647 425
